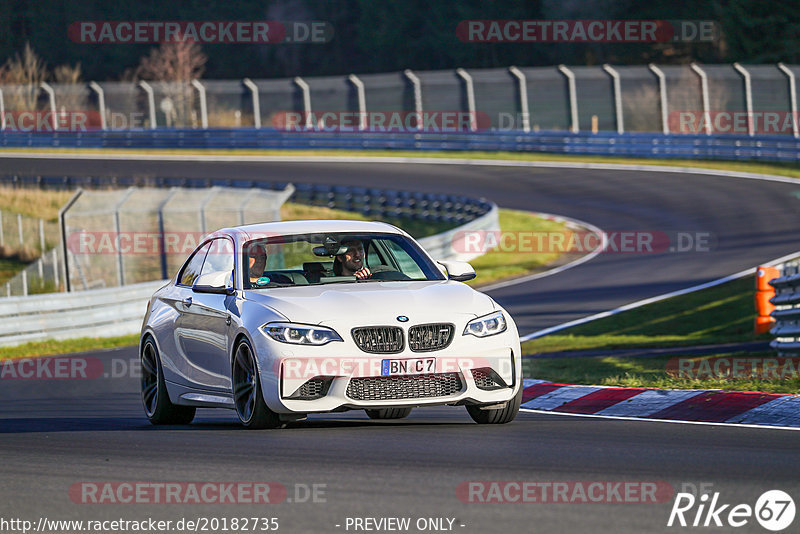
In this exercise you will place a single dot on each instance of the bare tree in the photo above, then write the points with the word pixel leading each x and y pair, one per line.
pixel 71 90
pixel 175 61
pixel 175 64
pixel 24 74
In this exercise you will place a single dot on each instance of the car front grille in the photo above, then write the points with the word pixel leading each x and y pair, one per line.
pixel 379 339
pixel 428 337
pixel 404 387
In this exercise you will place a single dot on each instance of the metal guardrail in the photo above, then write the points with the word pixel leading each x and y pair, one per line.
pixel 787 310
pixel 97 313
pixel 647 145
pixel 440 246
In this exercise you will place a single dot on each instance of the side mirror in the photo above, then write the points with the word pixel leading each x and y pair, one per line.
pixel 219 282
pixel 458 270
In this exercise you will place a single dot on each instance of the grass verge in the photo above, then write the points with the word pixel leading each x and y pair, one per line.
pixel 36 203
pixel 653 372
pixel 721 314
pixel 8 268
pixel 498 265
pixel 68 346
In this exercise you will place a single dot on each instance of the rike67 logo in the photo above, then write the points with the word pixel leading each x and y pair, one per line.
pixel 774 510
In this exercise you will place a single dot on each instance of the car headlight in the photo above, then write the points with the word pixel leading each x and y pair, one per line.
pixel 488 325
pixel 300 334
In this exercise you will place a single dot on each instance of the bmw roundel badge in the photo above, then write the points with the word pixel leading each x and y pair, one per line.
pixel 402 318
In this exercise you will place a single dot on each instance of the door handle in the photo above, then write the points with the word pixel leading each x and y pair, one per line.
pixel 228 319
pixel 187 301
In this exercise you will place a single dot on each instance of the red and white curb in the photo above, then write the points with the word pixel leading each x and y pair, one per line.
pixel 695 405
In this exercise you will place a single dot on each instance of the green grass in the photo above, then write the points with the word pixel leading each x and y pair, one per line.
pixel 647 372
pixel 721 314
pixel 8 268
pixel 46 348
pixel 498 264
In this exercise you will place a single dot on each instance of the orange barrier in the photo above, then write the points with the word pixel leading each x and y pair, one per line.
pixel 764 292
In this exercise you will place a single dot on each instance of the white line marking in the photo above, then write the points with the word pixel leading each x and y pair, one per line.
pixel 643 419
pixel 779 410
pixel 555 270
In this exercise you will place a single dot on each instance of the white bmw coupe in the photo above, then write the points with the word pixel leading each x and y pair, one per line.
pixel 280 320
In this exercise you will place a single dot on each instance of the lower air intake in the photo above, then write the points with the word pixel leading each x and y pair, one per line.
pixel 487 380
pixel 314 388
pixel 404 387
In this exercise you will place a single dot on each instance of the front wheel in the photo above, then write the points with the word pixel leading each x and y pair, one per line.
pixel 250 406
pixel 157 406
pixel 498 416
pixel 388 413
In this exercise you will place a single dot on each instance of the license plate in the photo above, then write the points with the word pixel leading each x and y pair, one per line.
pixel 415 366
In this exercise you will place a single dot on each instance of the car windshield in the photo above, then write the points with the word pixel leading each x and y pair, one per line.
pixel 314 259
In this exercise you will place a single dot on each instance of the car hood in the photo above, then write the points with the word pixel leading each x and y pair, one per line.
pixel 375 302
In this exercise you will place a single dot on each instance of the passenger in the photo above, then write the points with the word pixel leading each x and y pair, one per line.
pixel 351 263
pixel 257 262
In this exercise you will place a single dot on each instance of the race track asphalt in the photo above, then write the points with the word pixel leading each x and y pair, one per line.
pixel 57 433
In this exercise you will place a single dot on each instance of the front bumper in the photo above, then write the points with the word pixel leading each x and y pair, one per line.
pixel 355 382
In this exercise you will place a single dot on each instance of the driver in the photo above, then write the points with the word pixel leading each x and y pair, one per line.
pixel 257 262
pixel 351 263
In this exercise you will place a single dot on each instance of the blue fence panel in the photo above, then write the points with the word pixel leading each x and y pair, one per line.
pixel 646 145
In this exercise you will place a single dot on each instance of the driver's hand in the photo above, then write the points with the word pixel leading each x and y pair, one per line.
pixel 362 273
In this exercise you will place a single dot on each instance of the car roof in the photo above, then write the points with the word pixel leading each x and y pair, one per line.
pixel 252 231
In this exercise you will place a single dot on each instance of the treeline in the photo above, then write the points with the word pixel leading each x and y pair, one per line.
pixel 391 35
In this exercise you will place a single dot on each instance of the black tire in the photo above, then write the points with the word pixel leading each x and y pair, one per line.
pixel 388 413
pixel 500 416
pixel 247 397
pixel 155 399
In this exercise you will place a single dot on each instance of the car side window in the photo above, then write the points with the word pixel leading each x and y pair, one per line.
pixel 373 257
pixel 403 259
pixel 219 257
pixel 194 267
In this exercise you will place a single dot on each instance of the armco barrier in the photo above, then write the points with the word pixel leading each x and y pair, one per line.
pixel 440 247
pixel 645 145
pixel 98 313
pixel 787 310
